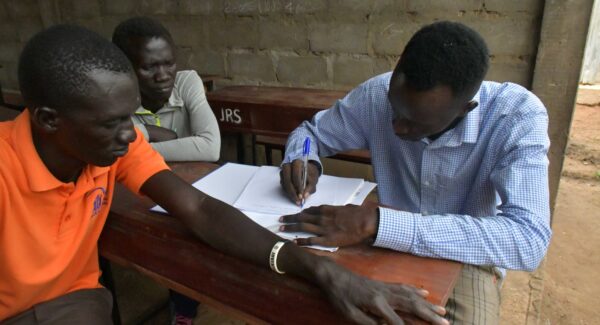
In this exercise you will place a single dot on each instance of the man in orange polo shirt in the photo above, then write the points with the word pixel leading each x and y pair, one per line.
pixel 59 163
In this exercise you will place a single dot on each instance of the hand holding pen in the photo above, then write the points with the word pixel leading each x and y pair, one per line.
pixel 299 178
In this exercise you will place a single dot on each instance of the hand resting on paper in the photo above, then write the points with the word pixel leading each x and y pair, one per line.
pixel 334 225
pixel 291 180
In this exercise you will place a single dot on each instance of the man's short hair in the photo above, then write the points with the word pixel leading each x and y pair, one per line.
pixel 444 53
pixel 138 27
pixel 54 65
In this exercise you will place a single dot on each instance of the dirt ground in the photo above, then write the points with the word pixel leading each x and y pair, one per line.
pixel 571 288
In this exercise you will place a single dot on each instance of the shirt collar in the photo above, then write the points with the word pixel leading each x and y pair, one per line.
pixel 466 131
pixel 39 178
pixel 174 102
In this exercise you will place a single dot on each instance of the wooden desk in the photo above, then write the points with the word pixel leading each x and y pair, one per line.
pixel 271 113
pixel 162 248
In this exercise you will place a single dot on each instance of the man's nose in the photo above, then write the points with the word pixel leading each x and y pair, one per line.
pixel 127 134
pixel 162 74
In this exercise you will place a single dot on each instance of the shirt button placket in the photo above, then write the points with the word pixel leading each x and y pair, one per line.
pixel 426 175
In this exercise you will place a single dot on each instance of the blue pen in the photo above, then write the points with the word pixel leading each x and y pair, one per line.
pixel 305 153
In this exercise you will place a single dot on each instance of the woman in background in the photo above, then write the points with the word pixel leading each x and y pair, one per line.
pixel 174 116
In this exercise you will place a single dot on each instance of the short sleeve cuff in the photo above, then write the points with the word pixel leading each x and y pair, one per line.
pixel 143 130
pixel 396 230
pixel 139 164
pixel 135 182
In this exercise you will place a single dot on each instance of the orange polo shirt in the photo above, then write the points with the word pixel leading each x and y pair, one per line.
pixel 49 229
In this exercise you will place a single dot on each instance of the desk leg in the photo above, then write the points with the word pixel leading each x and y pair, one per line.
pixel 240 148
pixel 254 149
pixel 269 154
pixel 108 281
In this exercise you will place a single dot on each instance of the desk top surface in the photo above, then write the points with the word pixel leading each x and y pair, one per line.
pixel 277 96
pixel 161 247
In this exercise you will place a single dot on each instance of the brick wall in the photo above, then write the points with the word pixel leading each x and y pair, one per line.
pixel 310 43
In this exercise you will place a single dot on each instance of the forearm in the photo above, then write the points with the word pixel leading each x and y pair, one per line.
pixel 231 232
pixel 193 148
pixel 224 227
pixel 203 142
pixel 507 241
pixel 160 134
pixel 330 131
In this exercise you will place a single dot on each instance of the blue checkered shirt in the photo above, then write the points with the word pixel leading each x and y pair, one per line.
pixel 478 194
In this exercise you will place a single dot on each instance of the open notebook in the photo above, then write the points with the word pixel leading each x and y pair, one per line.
pixel 257 193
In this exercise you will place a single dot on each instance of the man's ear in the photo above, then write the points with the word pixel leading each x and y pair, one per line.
pixel 45 118
pixel 471 105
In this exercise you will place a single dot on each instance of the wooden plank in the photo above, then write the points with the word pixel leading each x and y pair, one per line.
pixel 278 96
pixel 272 111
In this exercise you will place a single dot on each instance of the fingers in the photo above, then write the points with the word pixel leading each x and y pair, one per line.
pixel 291 179
pixel 298 182
pixel 321 241
pixel 431 313
pixel 302 227
pixel 316 210
pixel 439 310
pixel 359 317
pixel 285 176
pixel 303 216
pixel 411 300
pixel 385 311
pixel 309 220
pixel 311 182
pixel 404 289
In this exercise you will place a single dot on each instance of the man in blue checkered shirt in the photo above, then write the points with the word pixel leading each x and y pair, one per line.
pixel 461 162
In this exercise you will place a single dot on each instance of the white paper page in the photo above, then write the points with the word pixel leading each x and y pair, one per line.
pixel 362 193
pixel 228 182
pixel 264 193
pixel 225 183
pixel 271 222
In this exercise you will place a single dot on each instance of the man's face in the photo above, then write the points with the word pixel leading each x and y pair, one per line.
pixel 100 130
pixel 420 114
pixel 155 67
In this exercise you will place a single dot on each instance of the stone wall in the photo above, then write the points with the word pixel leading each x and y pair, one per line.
pixel 333 44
